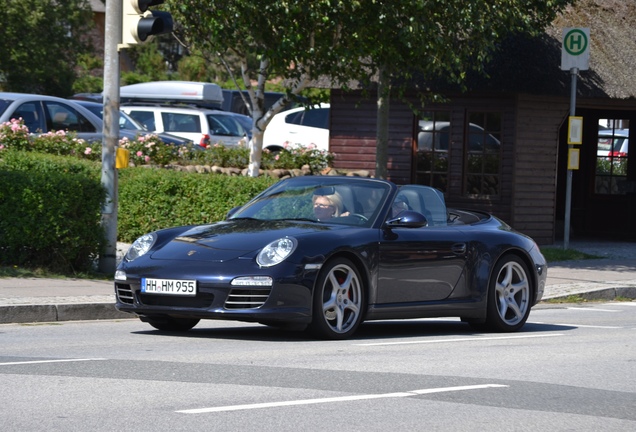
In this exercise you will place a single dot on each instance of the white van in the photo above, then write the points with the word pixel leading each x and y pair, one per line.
pixel 185 109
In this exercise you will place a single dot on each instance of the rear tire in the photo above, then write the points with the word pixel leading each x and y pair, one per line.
pixel 338 302
pixel 509 296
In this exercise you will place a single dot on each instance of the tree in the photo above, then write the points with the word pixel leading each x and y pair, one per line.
pixel 408 44
pixel 41 43
pixel 296 40
pixel 385 43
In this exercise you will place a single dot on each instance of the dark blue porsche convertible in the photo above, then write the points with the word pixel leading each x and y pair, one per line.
pixel 327 253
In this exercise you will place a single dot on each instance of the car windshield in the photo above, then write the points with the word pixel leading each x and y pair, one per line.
pixel 4 103
pixel 344 202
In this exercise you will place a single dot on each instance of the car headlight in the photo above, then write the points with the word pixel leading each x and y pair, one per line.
pixel 276 252
pixel 140 246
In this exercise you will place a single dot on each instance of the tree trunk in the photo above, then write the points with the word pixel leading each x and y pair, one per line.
pixel 382 132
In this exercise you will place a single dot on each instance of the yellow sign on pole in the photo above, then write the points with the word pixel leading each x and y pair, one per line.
pixel 573 158
pixel 122 158
pixel 575 130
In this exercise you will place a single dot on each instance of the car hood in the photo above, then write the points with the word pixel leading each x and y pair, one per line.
pixel 232 239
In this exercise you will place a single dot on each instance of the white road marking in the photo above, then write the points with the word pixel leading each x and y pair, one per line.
pixel 579 325
pixel 470 339
pixel 337 399
pixel 592 309
pixel 49 361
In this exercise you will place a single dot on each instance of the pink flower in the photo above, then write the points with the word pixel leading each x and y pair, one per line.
pixel 140 153
pixel 88 151
pixel 147 158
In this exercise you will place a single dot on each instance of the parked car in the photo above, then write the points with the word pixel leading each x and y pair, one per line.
pixel 202 126
pixel 42 114
pixel 479 140
pixel 233 101
pixel 620 148
pixel 299 126
pixel 329 253
pixel 128 123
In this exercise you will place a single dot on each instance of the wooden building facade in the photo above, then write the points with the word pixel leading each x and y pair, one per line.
pixel 502 145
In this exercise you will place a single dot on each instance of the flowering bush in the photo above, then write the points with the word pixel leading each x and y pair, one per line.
pixel 295 156
pixel 222 156
pixel 60 143
pixel 14 134
pixel 149 150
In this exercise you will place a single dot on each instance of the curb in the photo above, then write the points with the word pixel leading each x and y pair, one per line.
pixel 611 293
pixel 19 314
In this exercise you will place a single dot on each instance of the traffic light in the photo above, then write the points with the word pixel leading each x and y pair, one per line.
pixel 139 24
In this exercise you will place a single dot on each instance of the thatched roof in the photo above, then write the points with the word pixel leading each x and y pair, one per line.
pixel 612 26
pixel 533 65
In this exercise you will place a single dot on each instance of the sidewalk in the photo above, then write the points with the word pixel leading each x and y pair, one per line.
pixel 24 300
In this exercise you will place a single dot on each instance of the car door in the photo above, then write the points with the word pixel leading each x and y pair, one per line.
pixel 61 116
pixel 420 264
pixel 309 127
pixel 146 118
pixel 32 116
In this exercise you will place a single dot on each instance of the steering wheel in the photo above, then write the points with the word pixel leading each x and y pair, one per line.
pixel 359 216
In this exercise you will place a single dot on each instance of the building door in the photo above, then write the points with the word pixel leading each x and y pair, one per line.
pixel 604 187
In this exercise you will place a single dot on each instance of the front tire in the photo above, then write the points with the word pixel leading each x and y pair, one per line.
pixel 509 296
pixel 171 324
pixel 339 301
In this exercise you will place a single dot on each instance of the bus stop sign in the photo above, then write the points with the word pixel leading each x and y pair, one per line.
pixel 575 52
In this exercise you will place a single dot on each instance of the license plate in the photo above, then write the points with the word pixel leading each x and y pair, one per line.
pixel 169 286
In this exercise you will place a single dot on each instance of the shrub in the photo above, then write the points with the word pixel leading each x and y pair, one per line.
pixel 15 135
pixel 296 156
pixel 153 199
pixel 50 211
pixel 148 149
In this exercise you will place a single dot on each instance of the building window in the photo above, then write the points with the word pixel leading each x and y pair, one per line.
pixel 433 140
pixel 483 154
pixel 611 157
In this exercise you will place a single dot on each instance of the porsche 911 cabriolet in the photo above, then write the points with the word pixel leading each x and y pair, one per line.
pixel 327 253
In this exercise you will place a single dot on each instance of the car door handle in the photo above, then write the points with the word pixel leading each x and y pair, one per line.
pixel 459 248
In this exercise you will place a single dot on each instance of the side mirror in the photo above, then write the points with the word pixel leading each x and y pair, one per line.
pixel 408 219
pixel 232 211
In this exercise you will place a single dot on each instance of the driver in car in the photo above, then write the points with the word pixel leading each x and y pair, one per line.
pixel 328 206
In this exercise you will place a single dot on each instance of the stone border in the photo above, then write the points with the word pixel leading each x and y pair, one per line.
pixel 275 173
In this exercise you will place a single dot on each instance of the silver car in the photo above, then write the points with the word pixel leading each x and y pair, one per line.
pixel 42 114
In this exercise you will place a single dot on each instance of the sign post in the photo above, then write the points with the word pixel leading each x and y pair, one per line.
pixel 575 56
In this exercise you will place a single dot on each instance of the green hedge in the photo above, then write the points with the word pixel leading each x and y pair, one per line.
pixel 151 199
pixel 50 211
pixel 50 206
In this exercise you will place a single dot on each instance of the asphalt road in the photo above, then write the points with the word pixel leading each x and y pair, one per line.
pixel 571 368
